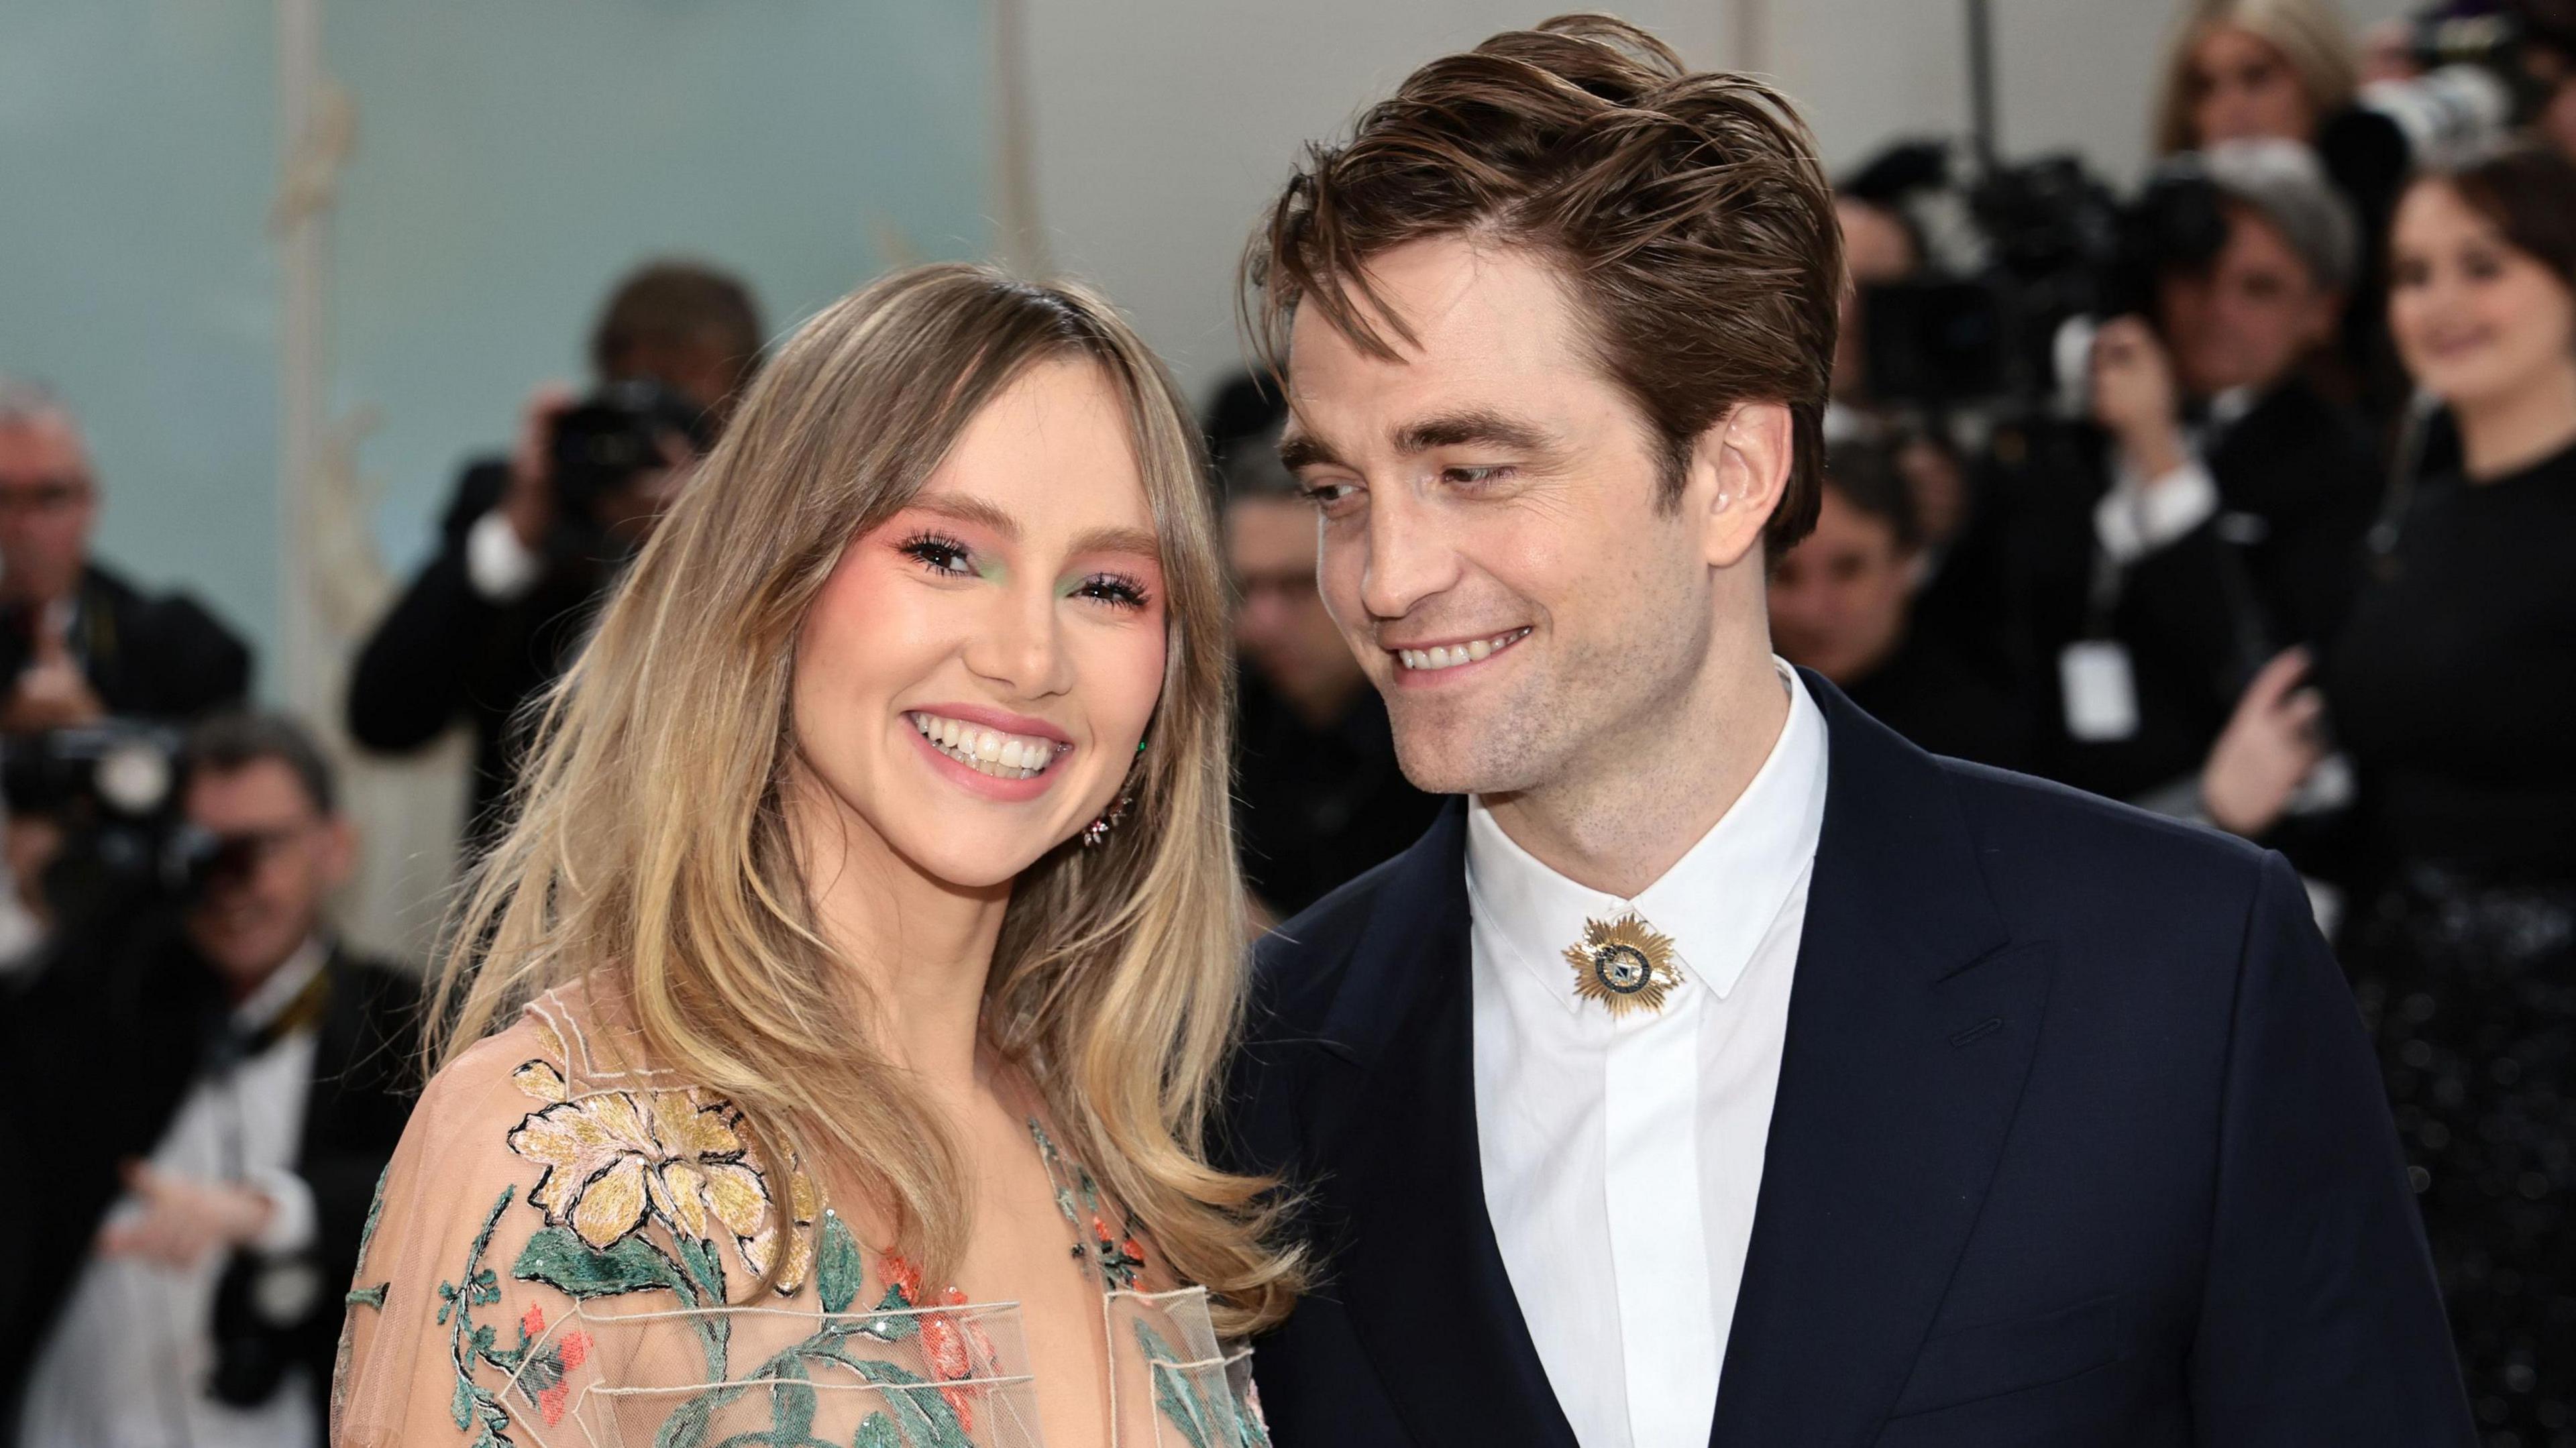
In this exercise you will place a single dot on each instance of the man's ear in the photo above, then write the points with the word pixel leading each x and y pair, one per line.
pixel 1747 452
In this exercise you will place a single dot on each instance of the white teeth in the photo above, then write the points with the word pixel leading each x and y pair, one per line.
pixel 1450 656
pixel 987 751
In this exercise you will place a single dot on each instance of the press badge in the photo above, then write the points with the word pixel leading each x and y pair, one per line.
pixel 2101 694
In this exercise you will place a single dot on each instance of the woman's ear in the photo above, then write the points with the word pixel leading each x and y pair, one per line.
pixel 1748 453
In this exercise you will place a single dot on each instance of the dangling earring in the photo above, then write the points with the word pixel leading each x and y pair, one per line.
pixel 1098 830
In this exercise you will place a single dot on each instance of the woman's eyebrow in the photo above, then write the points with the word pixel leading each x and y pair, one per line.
pixel 1138 541
pixel 970 510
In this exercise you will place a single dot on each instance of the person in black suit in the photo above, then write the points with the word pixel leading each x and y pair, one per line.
pixel 1842 603
pixel 1724 1069
pixel 213 1095
pixel 499 612
pixel 2223 521
pixel 78 642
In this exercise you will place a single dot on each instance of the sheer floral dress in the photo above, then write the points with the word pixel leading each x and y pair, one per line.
pixel 564 1252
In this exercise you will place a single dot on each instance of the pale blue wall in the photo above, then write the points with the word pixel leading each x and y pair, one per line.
pixel 137 153
pixel 513 156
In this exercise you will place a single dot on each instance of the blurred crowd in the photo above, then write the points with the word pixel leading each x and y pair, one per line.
pixel 2242 496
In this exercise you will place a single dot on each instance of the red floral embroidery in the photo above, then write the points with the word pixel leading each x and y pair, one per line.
pixel 554 1364
pixel 949 1347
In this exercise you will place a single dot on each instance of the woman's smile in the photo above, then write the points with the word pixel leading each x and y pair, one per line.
pixel 998 756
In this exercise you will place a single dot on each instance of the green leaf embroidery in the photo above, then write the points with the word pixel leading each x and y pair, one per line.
pixel 558 1257
pixel 1201 1421
pixel 877 1431
pixel 838 1268
pixel 371 1296
pixel 469 1341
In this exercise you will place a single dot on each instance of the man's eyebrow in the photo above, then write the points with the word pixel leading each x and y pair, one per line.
pixel 1459 429
pixel 1301 450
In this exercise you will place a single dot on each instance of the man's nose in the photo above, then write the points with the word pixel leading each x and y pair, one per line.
pixel 1410 558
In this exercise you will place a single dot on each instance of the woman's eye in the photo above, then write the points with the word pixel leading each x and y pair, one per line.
pixel 1113 589
pixel 944 556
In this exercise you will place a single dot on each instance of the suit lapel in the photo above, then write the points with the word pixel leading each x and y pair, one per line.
pixel 1911 1028
pixel 1421 1276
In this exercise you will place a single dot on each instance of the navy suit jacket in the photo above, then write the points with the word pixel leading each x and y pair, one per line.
pixel 2077 1142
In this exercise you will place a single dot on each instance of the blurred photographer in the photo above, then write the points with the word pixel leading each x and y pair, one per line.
pixel 532 541
pixel 77 642
pixel 2237 493
pixel 1843 604
pixel 2290 70
pixel 212 1095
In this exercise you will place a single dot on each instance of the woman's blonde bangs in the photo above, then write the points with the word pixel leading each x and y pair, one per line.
pixel 647 848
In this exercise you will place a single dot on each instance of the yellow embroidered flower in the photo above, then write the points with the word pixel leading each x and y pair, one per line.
pixel 615 1159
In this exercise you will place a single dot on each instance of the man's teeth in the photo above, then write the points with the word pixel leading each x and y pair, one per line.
pixel 989 751
pixel 1450 656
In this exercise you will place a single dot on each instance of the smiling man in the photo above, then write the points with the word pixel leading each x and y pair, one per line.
pixel 1723 1069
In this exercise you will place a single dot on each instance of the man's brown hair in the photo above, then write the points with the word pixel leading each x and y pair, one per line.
pixel 1686 212
pixel 678 304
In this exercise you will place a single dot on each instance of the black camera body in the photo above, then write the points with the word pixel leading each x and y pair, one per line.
pixel 114 789
pixel 2054 244
pixel 601 446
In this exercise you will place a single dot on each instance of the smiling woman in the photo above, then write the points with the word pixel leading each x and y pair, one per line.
pixel 817 953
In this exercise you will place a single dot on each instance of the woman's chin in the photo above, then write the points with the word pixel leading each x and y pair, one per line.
pixel 972 864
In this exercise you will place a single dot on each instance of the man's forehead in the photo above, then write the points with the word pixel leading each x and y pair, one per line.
pixel 47 439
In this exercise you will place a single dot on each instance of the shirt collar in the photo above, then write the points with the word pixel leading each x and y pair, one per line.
pixel 1717 902
pixel 281 988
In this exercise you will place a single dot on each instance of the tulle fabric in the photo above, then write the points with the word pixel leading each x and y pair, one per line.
pixel 564 1252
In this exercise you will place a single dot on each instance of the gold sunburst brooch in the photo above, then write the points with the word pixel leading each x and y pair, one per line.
pixel 1626 965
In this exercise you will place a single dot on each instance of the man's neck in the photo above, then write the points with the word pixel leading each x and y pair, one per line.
pixel 1642 801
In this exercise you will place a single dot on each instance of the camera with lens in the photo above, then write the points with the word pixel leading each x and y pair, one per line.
pixel 601 447
pixel 2037 252
pixel 2478 75
pixel 113 790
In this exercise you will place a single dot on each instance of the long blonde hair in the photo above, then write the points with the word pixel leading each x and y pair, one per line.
pixel 649 849
pixel 2310 34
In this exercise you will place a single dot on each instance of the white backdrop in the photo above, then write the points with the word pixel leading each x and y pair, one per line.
pixel 1161 126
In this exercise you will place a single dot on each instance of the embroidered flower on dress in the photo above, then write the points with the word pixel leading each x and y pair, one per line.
pixel 548 1368
pixel 951 1347
pixel 615 1158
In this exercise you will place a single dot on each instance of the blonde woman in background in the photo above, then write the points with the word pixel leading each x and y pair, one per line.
pixel 2236 70
pixel 833 1029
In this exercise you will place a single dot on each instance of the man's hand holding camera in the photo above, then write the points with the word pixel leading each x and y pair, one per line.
pixel 529 505
pixel 51 692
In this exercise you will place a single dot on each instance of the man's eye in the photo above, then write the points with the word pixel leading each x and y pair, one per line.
pixel 1474 477
pixel 944 556
pixel 1329 496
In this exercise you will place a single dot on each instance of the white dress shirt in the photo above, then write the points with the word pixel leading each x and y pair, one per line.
pixel 1622 1155
pixel 126 1365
